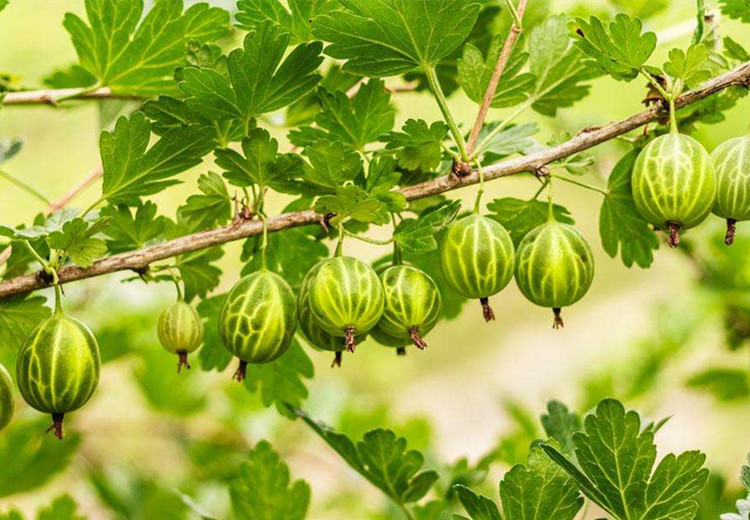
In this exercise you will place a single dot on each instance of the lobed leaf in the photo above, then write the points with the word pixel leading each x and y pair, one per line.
pixel 352 202
pixel 298 20
pixel 211 209
pixel 19 315
pixel 136 54
pixel 521 216
pixel 213 355
pixel 331 165
pixel 382 38
pixel 621 225
pixel 692 68
pixel 197 271
pixel 417 146
pixel 418 235
pixel 619 49
pixel 264 489
pixel 127 231
pixel 561 424
pixel 736 9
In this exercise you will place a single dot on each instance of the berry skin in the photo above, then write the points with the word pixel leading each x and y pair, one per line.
pixel 258 319
pixel 180 331
pixel 554 267
pixel 387 340
pixel 6 398
pixel 674 184
pixel 58 368
pixel 346 298
pixel 477 258
pixel 731 161
pixel 412 303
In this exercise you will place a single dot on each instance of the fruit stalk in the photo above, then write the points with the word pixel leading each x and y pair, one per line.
pixel 731 231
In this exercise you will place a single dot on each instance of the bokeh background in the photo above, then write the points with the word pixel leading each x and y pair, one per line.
pixel 639 335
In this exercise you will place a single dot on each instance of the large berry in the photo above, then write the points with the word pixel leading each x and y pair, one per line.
pixel 412 303
pixel 58 367
pixel 180 331
pixel 674 184
pixel 258 319
pixel 6 397
pixel 731 161
pixel 346 298
pixel 554 266
pixel 477 258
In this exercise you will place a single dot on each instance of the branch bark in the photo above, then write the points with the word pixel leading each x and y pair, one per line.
pixel 55 96
pixel 584 140
pixel 510 42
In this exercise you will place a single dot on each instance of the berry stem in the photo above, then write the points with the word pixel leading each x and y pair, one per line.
pixel 558 323
pixel 241 372
pixel 487 312
pixel 351 341
pixel 183 361
pixel 340 243
pixel 582 184
pixel 416 338
pixel 57 425
pixel 731 230
pixel 480 191
pixel 674 234
pixel 263 243
pixel 672 117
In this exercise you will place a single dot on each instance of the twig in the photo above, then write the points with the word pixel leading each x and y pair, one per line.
pixel 54 96
pixel 582 141
pixel 510 42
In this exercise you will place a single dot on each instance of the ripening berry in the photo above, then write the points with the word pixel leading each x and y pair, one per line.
pixel 346 298
pixel 674 184
pixel 6 398
pixel 258 319
pixel 412 304
pixel 477 258
pixel 554 267
pixel 180 331
pixel 58 368
pixel 731 161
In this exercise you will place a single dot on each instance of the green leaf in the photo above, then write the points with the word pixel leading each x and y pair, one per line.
pixel 352 202
pixel 281 383
pixel 418 235
pixel 140 58
pixel 213 354
pixel 478 507
pixel 43 226
pixel 736 9
pixel 132 171
pixel 539 490
pixel 386 38
pixel 382 458
pixel 77 239
pixel 745 474
pixel 258 81
pixel 9 148
pixel 264 490
pixel 521 216
pixel 61 508
pixel 126 231
pixel 297 21
pixel 734 50
pixel 560 69
pixel 693 67
pixel 620 49
pixel 331 164
pixel 74 76
pixel 617 458
pixel 417 146
pixel 29 458
pixel 475 72
pixel 3 4
pixel 726 384
pixel 260 163
pixel 561 424
pixel 19 315
pixel 354 121
pixel 198 273
pixel 511 140
pixel 290 253
pixel 621 225
pixel 211 209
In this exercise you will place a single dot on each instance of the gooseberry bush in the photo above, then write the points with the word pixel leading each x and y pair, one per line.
pixel 296 101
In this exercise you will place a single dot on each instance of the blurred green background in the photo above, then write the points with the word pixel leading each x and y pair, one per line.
pixel 639 335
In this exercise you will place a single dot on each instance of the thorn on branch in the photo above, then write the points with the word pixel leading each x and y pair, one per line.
pixel 541 172
pixel 325 222
pixel 142 272
pixel 45 277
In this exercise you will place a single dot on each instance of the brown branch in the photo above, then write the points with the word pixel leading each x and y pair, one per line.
pixel 586 139
pixel 510 42
pixel 55 96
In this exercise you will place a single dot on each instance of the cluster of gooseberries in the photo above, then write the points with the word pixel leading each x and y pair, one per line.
pixel 675 184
